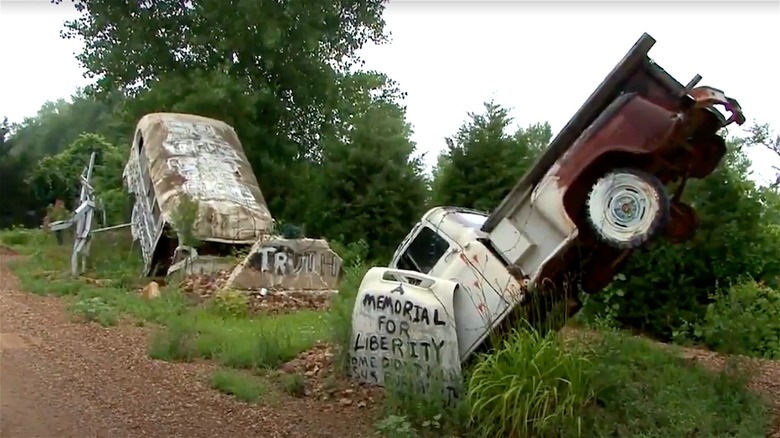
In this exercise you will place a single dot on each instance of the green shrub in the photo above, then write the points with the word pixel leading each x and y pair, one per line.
pixel 230 303
pixel 340 312
pixel 16 237
pixel 258 343
pixel 243 387
pixel 95 309
pixel 531 385
pixel 646 390
pixel 743 320
pixel 174 342
pixel 294 384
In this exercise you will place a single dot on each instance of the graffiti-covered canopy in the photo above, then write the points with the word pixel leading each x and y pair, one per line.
pixel 178 156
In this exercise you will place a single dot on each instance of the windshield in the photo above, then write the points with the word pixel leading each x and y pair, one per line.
pixel 424 251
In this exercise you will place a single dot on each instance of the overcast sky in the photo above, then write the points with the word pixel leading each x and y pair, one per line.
pixel 540 58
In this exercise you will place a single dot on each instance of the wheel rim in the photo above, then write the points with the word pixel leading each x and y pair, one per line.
pixel 623 206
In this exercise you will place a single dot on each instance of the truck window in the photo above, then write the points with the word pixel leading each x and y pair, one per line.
pixel 425 250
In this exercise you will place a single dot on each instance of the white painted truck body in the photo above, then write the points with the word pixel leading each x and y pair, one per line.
pixel 598 188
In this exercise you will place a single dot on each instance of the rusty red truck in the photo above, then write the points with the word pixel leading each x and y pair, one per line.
pixel 609 182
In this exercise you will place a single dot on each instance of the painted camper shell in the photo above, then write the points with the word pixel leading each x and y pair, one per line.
pixel 479 267
pixel 177 156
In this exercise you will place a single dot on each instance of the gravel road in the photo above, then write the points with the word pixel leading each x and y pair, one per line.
pixel 60 379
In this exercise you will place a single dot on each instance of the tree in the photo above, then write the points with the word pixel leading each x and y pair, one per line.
pixel 270 69
pixel 370 184
pixel 56 176
pixel 483 161
pixel 762 135
pixel 59 123
pixel 17 205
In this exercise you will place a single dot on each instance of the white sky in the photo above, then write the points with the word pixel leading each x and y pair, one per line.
pixel 541 59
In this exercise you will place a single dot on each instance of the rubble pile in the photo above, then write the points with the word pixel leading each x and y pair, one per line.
pixel 203 287
pixel 315 365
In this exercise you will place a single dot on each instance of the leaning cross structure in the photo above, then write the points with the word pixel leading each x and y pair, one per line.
pixel 83 218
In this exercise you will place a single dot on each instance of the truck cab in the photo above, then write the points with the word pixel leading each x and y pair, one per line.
pixel 608 183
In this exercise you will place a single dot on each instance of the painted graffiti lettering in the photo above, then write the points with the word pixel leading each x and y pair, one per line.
pixel 281 260
pixel 427 350
pixel 209 164
pixel 390 326
pixel 402 337
pixel 330 264
pixel 379 370
pixel 404 308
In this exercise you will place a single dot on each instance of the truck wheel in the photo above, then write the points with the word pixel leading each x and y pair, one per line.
pixel 627 207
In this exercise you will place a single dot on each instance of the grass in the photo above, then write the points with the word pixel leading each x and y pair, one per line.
pixel 613 385
pixel 646 391
pixel 250 389
pixel 616 385
pixel 108 294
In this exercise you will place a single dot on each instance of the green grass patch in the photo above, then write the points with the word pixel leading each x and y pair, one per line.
pixel 257 343
pixel 108 293
pixel 645 391
pixel 614 386
pixel 244 387
pixel 293 384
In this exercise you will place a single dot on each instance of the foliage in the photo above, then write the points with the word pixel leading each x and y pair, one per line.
pixel 277 64
pixel 745 319
pixel 340 312
pixel 95 309
pixel 763 135
pixel 59 123
pixel 483 161
pixel 187 332
pixel 599 385
pixel 431 403
pixel 294 384
pixel 57 176
pixel 532 385
pixel 231 303
pixel 19 207
pixel 245 388
pixel 648 391
pixel 370 185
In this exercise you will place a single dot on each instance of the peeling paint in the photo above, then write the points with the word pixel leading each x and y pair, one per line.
pixel 178 155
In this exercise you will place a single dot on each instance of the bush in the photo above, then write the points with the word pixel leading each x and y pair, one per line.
pixel 255 344
pixel 646 390
pixel 243 387
pixel 532 385
pixel 230 303
pixel 294 384
pixel 743 320
pixel 95 309
pixel 16 237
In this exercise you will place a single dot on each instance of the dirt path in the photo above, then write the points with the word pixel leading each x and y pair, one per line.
pixel 59 379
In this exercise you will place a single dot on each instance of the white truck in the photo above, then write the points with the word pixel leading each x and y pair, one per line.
pixel 598 191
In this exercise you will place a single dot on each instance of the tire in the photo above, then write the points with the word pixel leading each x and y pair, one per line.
pixel 643 195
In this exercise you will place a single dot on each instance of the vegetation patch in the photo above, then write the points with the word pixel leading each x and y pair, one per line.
pixel 244 387
pixel 220 329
